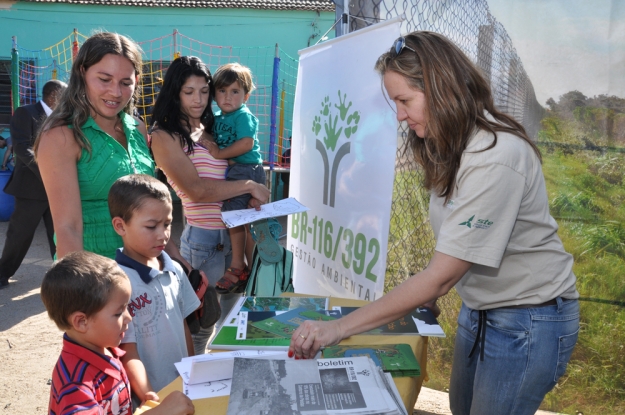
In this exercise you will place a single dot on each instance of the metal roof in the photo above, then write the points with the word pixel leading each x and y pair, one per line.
pixel 316 5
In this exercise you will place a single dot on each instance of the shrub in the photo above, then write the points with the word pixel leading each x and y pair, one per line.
pixel 607 238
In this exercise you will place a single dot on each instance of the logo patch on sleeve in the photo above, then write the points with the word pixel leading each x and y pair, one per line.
pixel 483 224
pixel 479 224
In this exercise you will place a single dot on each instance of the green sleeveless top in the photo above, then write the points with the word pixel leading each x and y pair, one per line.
pixel 97 172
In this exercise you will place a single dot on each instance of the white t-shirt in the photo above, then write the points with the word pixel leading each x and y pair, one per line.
pixel 159 303
pixel 498 219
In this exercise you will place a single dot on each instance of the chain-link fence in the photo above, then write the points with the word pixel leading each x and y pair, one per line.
pixel 470 25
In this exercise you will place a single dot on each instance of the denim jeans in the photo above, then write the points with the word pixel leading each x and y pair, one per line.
pixel 526 352
pixel 208 251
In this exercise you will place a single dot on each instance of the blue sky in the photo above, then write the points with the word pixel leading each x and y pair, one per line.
pixel 568 44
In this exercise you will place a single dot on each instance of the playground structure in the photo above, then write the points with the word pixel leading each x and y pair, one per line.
pixel 275 74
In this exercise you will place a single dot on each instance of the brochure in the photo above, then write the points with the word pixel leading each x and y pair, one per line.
pixel 283 303
pixel 227 338
pixel 284 324
pixel 245 329
pixel 397 359
pixel 421 322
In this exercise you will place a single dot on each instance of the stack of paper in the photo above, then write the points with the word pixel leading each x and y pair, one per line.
pixel 313 387
pixel 210 375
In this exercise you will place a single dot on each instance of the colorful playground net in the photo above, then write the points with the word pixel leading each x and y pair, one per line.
pixel 33 68
pixel 275 75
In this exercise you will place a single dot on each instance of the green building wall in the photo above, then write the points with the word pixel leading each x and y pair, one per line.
pixel 40 25
pixel 37 26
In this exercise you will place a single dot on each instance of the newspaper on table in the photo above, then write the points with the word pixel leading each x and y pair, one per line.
pixel 391 387
pixel 282 207
pixel 210 375
pixel 342 386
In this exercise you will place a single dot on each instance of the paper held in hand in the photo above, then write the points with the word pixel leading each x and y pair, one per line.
pixel 283 207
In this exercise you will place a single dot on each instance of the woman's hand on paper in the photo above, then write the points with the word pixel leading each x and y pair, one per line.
pixel 311 336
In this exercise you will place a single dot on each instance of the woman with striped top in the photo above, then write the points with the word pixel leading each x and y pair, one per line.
pixel 182 121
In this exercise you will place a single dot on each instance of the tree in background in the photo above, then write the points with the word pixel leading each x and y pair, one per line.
pixel 600 119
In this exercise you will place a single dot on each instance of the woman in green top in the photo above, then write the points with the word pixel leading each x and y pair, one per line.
pixel 91 140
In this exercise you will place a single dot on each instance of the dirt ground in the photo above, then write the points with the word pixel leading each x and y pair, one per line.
pixel 30 343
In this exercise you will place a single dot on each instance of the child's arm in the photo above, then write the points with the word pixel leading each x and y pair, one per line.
pixel 135 369
pixel 239 147
pixel 187 335
pixel 176 403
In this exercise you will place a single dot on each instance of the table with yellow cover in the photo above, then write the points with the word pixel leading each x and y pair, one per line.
pixel 408 387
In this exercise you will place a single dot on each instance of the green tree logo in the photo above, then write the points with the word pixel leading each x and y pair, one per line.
pixel 335 120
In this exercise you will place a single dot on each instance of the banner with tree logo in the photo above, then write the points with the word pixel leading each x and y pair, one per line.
pixel 342 166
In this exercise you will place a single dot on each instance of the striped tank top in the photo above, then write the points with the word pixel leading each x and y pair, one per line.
pixel 199 214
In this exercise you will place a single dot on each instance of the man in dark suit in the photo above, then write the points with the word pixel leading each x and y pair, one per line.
pixel 31 202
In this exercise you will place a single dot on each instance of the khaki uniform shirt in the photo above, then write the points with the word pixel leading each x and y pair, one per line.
pixel 498 219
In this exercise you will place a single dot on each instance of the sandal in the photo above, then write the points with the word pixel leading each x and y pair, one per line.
pixel 227 286
pixel 265 233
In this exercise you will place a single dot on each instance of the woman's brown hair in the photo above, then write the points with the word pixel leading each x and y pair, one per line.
pixel 457 96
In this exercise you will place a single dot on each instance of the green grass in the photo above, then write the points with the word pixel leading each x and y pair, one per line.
pixel 591 228
pixel 587 198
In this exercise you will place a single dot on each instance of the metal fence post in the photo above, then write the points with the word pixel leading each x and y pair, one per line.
pixel 15 75
pixel 274 108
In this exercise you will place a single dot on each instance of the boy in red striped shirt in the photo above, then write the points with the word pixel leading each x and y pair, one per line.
pixel 87 295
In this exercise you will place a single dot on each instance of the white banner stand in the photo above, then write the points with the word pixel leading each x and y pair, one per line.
pixel 342 166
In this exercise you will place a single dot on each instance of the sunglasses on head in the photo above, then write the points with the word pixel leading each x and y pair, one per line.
pixel 399 46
